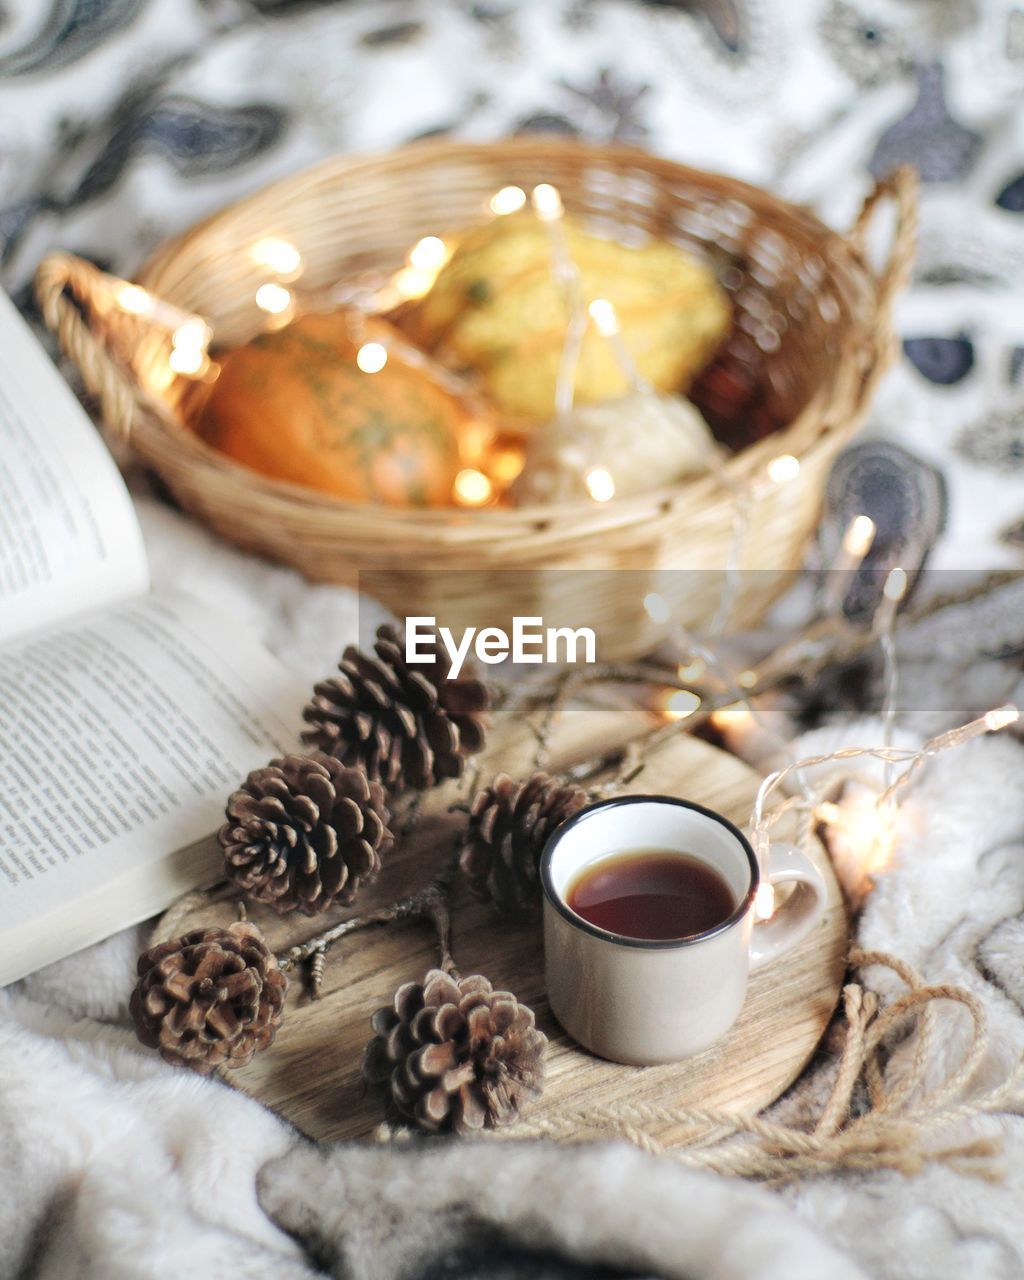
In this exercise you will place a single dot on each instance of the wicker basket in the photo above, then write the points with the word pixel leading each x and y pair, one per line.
pixel 811 335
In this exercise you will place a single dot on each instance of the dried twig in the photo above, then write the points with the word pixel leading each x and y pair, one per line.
pixel 804 657
pixel 432 902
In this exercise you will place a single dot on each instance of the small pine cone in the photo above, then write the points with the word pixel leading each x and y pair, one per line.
pixel 509 824
pixel 407 725
pixel 456 1055
pixel 305 832
pixel 211 998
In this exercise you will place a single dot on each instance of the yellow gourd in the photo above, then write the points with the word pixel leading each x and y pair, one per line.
pixel 497 310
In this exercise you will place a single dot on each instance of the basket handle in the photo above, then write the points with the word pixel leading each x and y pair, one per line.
pixel 899 187
pixel 64 286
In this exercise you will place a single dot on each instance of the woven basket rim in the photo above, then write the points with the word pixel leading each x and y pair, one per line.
pixel 426 148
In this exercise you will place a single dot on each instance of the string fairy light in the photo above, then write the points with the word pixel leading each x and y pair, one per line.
pixel 194 332
pixel 372 357
pixel 657 608
pixel 428 254
pixel 784 468
pixel 857 542
pixel 884 626
pixel 781 470
pixel 1000 717
pixel 734 715
pixel 413 282
pixel 678 704
pixel 423 263
pixel 547 204
pixel 600 484
pixel 472 488
pixel 865 819
pixel 546 201
pixel 602 312
pixel 277 255
pixel 874 826
pixel 991 722
pixel 507 200
pixel 188 361
pixel 190 334
pixel 135 300
pixel 702 656
pixel 274 298
pixel 506 463
pixel 743 710
pixel 864 838
pixel 764 900
pixel 733 566
pixel 606 321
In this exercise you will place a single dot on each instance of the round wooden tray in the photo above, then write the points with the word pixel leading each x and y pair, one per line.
pixel 311 1074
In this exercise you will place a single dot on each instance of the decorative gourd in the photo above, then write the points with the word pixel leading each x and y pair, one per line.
pixel 497 310
pixel 294 405
pixel 633 445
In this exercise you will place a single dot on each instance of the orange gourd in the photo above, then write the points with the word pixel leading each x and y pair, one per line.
pixel 294 405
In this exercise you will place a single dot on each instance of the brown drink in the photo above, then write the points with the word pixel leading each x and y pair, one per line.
pixel 652 894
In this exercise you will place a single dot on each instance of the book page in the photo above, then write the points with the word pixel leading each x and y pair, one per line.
pixel 69 540
pixel 122 738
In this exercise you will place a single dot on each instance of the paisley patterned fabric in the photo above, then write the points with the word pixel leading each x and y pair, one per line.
pixel 904 497
pixel 72 29
pixel 123 121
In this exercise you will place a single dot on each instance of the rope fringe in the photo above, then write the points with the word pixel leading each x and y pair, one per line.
pixel 899 1131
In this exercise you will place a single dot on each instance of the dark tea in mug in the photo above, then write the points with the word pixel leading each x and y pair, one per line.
pixel 653 894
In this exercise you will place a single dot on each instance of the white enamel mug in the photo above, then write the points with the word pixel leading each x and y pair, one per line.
pixel 638 1001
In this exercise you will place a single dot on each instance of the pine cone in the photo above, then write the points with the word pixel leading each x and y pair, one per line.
pixel 509 825
pixel 456 1054
pixel 305 832
pixel 408 726
pixel 211 998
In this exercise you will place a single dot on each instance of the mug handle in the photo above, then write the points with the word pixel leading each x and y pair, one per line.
pixel 796 917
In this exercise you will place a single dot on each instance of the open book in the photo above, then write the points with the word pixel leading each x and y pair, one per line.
pixel 126 718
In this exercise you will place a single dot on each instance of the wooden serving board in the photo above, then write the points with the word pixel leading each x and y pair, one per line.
pixel 311 1074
